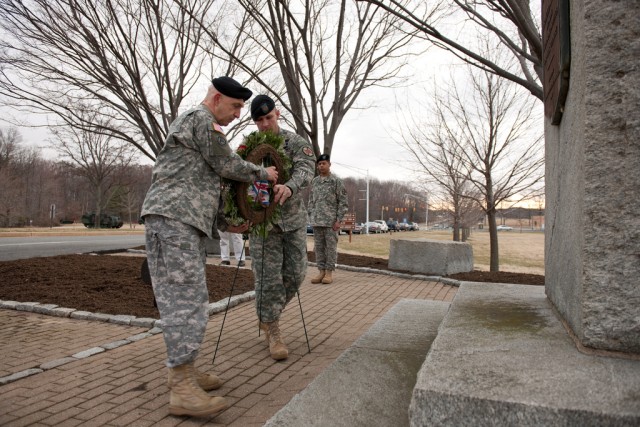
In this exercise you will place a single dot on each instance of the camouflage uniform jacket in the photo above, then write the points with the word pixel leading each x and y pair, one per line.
pixel 294 213
pixel 185 184
pixel 328 200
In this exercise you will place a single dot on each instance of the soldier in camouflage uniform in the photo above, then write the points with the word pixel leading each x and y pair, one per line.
pixel 280 260
pixel 179 211
pixel 328 206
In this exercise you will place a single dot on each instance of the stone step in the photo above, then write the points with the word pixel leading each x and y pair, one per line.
pixel 503 358
pixel 370 384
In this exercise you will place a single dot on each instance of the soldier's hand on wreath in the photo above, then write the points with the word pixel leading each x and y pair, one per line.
pixel 272 173
pixel 281 193
pixel 239 229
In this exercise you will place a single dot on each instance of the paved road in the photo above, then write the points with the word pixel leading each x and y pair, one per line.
pixel 39 246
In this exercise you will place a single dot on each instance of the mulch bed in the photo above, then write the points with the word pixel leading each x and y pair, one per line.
pixel 114 284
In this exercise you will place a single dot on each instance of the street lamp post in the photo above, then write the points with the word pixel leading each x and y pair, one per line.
pixel 366 229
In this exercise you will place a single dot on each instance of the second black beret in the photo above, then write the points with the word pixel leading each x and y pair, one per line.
pixel 322 157
pixel 261 106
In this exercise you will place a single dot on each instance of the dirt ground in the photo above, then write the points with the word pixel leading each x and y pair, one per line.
pixel 113 284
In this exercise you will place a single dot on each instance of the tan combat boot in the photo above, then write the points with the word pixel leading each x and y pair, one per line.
pixel 319 277
pixel 205 381
pixel 187 398
pixel 277 348
pixel 327 277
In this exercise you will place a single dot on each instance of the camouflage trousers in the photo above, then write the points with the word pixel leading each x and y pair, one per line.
pixel 279 264
pixel 325 245
pixel 176 256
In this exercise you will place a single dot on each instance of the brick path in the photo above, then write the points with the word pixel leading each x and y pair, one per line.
pixel 126 386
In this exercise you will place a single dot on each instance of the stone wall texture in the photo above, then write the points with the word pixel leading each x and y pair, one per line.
pixel 592 240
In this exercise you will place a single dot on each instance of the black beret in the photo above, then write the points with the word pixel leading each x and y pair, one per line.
pixel 323 157
pixel 231 88
pixel 261 106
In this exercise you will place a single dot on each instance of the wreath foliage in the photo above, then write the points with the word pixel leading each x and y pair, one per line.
pixel 236 192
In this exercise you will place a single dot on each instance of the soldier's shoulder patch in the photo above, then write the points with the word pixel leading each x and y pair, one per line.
pixel 216 127
pixel 308 151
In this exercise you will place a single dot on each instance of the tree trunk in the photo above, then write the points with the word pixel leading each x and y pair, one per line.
pixel 494 261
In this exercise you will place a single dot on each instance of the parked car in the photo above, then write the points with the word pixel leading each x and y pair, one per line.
pixel 392 225
pixel 415 226
pixel 504 228
pixel 357 229
pixel 373 227
pixel 403 226
pixel 383 225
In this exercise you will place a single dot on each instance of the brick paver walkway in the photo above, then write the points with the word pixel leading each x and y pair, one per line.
pixel 126 386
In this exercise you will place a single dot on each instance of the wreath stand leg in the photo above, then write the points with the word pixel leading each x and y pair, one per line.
pixel 233 285
pixel 304 326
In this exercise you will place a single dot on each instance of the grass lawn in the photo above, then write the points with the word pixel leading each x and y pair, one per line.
pixel 520 252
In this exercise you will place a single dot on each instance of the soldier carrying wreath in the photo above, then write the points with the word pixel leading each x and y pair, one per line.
pixel 278 237
pixel 179 212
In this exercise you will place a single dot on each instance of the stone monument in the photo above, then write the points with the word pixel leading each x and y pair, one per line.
pixel 592 235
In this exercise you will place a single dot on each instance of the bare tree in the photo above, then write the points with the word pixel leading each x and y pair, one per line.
pixel 127 198
pixel 480 148
pixel 510 21
pixel 502 153
pixel 96 157
pixel 438 160
pixel 27 184
pixel 10 198
pixel 133 62
pixel 322 55
pixel 9 141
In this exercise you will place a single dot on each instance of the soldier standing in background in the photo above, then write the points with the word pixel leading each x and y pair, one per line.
pixel 179 211
pixel 279 261
pixel 328 206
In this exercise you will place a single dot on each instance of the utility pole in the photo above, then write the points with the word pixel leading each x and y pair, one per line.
pixel 359 170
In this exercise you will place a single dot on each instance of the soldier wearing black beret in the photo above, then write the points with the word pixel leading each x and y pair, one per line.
pixel 328 203
pixel 279 260
pixel 179 210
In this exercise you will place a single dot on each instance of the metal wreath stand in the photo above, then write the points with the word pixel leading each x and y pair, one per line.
pixel 265 155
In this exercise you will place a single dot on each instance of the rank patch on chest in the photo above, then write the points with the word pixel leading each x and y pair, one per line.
pixel 308 151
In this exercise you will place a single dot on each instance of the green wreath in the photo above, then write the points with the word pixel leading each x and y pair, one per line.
pixel 238 207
